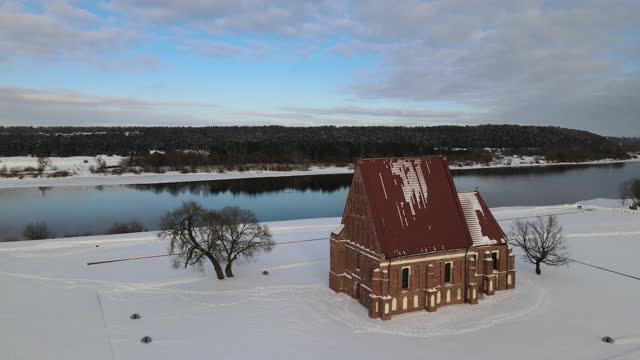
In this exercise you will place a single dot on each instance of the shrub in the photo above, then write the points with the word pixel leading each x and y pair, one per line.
pixel 37 231
pixel 126 227
pixel 59 174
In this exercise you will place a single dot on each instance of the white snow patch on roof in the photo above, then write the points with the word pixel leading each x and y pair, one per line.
pixel 339 229
pixel 414 186
pixel 470 205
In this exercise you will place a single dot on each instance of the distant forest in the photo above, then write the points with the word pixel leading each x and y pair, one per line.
pixel 196 146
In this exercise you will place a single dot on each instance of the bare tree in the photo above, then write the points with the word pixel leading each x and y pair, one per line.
pixel 37 231
pixel 193 233
pixel 541 240
pixel 43 163
pixel 242 236
pixel 631 191
pixel 101 163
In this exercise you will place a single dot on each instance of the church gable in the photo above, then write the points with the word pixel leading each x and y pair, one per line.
pixel 357 219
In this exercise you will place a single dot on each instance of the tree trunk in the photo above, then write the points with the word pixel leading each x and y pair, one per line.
pixel 538 269
pixel 216 266
pixel 227 270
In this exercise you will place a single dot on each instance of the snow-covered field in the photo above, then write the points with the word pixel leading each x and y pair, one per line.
pixel 81 176
pixel 77 165
pixel 54 306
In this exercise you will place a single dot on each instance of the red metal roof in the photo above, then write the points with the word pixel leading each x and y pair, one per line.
pixel 414 205
pixel 483 227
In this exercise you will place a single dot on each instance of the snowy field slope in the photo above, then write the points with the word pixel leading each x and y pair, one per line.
pixel 81 176
pixel 54 306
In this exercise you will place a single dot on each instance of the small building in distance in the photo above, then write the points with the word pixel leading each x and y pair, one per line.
pixel 409 241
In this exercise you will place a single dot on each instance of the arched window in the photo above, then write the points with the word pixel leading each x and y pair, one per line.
pixel 447 272
pixel 494 257
pixel 405 278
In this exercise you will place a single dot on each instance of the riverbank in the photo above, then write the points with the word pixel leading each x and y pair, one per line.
pixel 79 168
pixel 291 311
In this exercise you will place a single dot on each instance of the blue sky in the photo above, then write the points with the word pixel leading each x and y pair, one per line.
pixel 305 63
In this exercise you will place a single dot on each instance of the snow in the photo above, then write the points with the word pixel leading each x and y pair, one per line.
pixel 54 306
pixel 81 176
pixel 470 205
pixel 73 164
pixel 534 161
pixel 414 187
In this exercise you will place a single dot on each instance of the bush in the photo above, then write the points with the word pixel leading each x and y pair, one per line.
pixel 126 227
pixel 37 231
pixel 59 174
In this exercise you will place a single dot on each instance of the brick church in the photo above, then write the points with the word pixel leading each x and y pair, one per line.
pixel 409 241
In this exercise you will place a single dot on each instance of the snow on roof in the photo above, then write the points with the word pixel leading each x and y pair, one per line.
pixel 339 229
pixel 483 227
pixel 414 205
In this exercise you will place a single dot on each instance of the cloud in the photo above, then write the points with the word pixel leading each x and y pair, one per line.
pixel 49 34
pixel 37 107
pixel 127 64
pixel 378 112
pixel 521 64
pixel 253 50
pixel 70 98
pixel 568 62
pixel 220 17
pixel 60 31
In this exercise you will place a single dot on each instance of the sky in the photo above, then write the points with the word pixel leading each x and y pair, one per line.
pixel 568 63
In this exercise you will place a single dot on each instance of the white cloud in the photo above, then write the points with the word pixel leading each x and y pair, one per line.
pixel 61 31
pixel 378 112
pixel 253 50
pixel 567 62
pixel 70 98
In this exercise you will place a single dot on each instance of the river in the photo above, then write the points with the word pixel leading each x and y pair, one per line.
pixel 80 210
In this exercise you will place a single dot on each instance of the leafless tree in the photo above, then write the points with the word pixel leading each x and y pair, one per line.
pixel 37 231
pixel 242 237
pixel 541 240
pixel 193 233
pixel 43 163
pixel 631 191
pixel 101 162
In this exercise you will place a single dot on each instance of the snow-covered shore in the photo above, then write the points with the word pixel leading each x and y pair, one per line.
pixel 79 166
pixel 54 306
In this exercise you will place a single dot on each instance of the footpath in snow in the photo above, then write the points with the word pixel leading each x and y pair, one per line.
pixel 55 306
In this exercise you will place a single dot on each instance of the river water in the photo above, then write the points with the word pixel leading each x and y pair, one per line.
pixel 80 210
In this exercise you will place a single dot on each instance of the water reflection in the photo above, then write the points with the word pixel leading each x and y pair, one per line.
pixel 252 187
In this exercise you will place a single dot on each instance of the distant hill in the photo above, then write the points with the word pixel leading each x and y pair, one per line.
pixel 254 144
pixel 624 140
